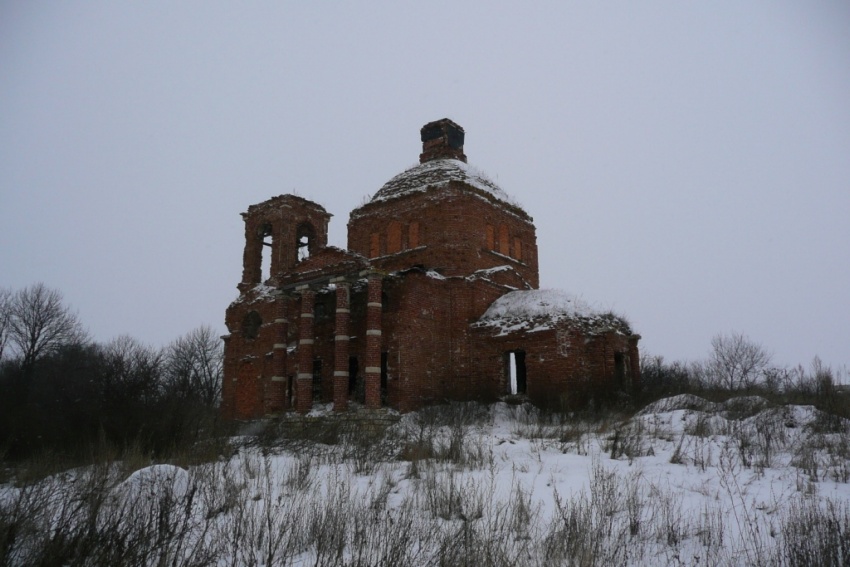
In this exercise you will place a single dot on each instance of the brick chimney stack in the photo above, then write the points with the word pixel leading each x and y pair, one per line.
pixel 442 139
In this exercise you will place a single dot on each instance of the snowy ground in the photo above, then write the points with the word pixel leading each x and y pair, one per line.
pixel 683 482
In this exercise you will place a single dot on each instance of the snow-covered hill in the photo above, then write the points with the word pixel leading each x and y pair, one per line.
pixel 683 482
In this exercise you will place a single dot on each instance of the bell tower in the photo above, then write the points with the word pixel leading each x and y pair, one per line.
pixel 279 234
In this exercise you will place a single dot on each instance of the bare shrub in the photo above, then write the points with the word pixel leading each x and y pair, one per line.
pixel 447 495
pixel 629 440
pixel 814 533
pixel 90 519
pixel 600 528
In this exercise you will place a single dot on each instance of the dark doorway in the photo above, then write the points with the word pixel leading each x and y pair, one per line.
pixel 353 369
pixel 515 370
pixel 317 380
pixel 619 369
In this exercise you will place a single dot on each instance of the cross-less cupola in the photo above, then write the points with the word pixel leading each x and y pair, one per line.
pixel 442 139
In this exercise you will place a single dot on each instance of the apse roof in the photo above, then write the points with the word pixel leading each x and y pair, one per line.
pixel 542 309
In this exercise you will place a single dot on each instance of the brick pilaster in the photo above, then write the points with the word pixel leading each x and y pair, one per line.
pixel 304 380
pixel 341 337
pixel 276 399
pixel 374 311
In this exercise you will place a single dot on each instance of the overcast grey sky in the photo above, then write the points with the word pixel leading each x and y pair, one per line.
pixel 686 164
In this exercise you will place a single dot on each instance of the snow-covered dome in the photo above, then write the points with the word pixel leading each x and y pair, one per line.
pixel 439 173
pixel 539 309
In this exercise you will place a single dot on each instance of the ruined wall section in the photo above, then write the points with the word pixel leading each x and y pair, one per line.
pixel 249 347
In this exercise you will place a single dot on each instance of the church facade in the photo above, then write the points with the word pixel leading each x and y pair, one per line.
pixel 435 298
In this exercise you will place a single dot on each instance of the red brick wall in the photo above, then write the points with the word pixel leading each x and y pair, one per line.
pixel 249 362
pixel 565 367
pixel 451 234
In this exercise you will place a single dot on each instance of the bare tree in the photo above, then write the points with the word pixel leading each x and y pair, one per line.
pixel 737 362
pixel 194 364
pixel 132 368
pixel 39 322
pixel 5 314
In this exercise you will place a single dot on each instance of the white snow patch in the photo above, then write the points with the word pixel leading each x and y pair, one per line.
pixel 146 485
pixel 538 303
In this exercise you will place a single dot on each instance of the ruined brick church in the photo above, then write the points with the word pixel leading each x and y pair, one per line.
pixel 436 298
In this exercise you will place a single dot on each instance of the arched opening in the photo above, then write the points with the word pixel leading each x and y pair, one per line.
pixel 515 371
pixel 266 259
pixel 305 241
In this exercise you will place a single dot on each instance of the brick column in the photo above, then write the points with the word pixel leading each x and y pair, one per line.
pixel 304 380
pixel 373 342
pixel 343 316
pixel 276 399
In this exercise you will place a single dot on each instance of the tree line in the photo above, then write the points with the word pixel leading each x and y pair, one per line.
pixel 61 391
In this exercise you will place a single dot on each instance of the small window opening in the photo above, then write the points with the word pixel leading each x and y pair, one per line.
pixel 317 380
pixel 266 261
pixel 515 361
pixel 323 308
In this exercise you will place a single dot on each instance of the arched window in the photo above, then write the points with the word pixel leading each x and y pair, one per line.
pixel 413 235
pixel 266 254
pixel 375 245
pixel 305 241
pixel 504 240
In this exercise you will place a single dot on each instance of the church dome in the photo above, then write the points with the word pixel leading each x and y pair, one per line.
pixel 438 173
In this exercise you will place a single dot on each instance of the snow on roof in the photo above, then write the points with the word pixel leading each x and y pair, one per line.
pixel 438 173
pixel 260 292
pixel 538 309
